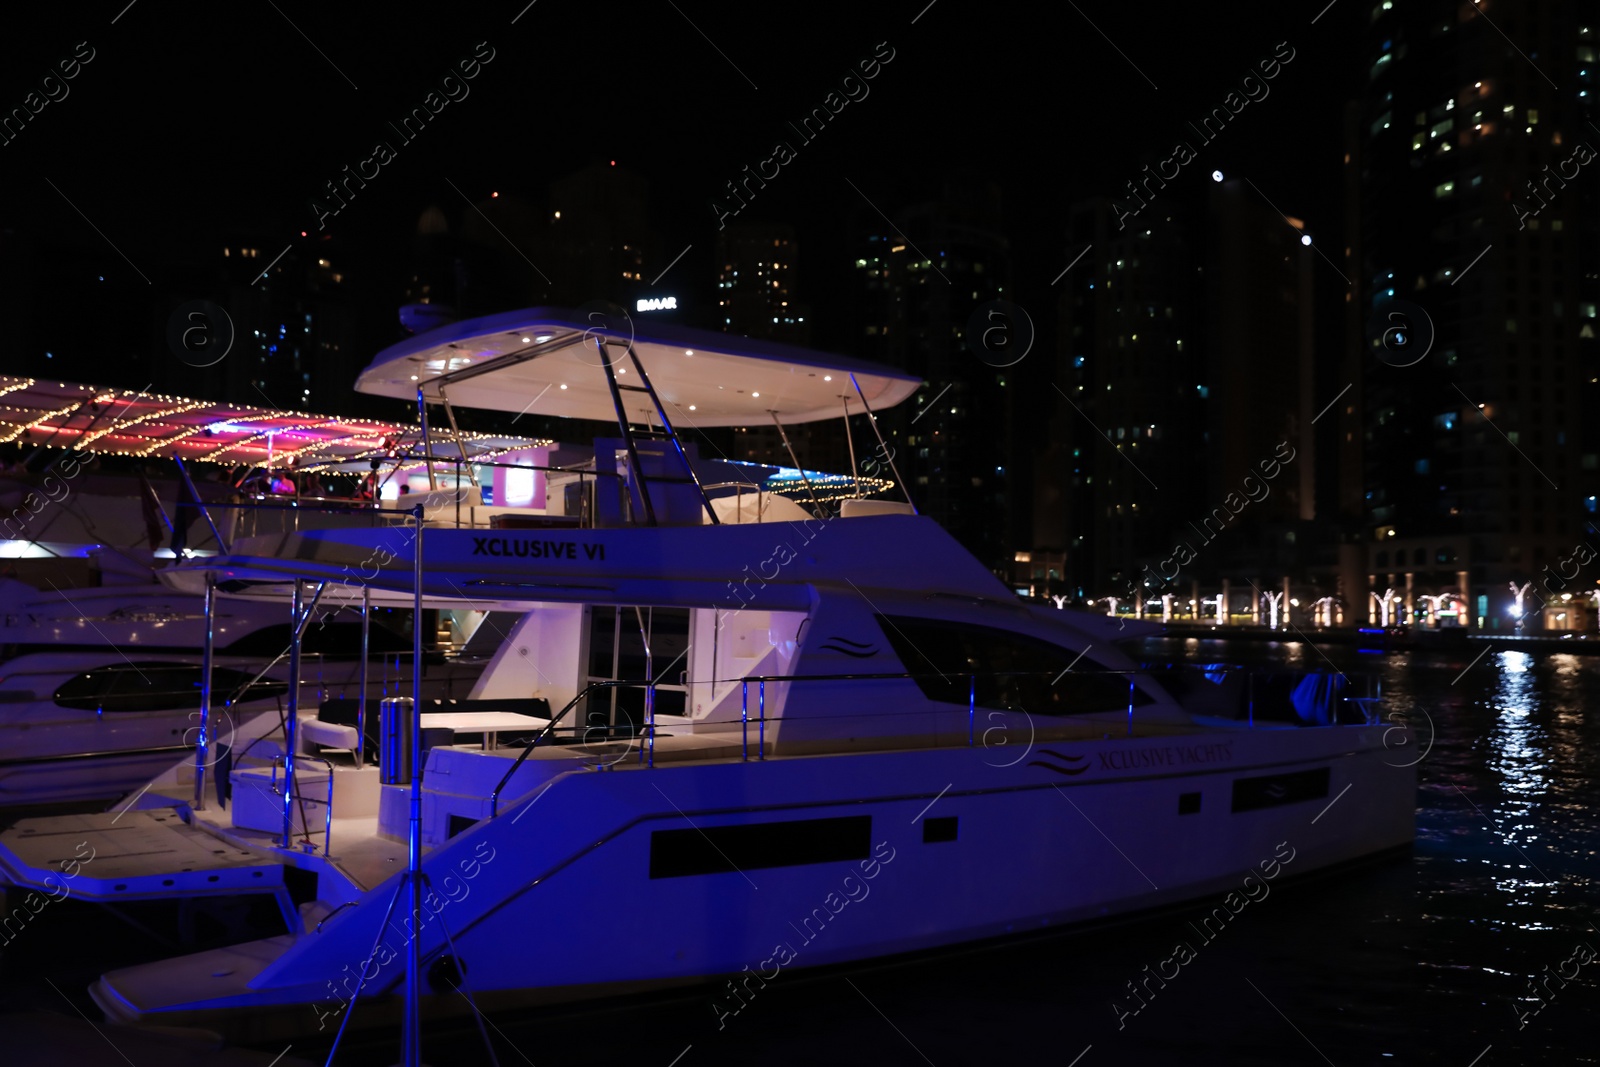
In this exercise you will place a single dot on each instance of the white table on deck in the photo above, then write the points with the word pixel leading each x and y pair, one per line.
pixel 487 723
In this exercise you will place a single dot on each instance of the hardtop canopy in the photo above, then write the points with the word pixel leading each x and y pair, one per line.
pixel 549 361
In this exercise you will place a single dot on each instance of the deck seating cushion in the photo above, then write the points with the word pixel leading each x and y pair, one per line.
pixel 329 734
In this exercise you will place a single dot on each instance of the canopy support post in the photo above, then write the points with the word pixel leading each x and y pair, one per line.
pixel 849 439
pixel 461 446
pixel 872 420
pixel 411 1030
pixel 366 648
pixel 427 445
pixel 783 435
pixel 202 749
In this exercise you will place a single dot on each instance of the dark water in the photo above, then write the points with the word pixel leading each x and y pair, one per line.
pixel 1420 959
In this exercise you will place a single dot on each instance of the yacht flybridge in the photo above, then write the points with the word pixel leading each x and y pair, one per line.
pixel 723 734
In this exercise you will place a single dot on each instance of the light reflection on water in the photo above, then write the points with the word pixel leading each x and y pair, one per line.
pixel 1417 961
pixel 1499 884
pixel 1422 960
pixel 1517 739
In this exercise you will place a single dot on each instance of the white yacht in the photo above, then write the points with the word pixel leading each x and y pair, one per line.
pixel 99 687
pixel 101 665
pixel 754 737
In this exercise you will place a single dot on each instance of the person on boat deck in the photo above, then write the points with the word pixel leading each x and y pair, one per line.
pixel 257 483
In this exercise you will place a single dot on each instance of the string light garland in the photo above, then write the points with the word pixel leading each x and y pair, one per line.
pixel 791 481
pixel 40 421
pixel 13 384
pixel 146 424
pixel 119 427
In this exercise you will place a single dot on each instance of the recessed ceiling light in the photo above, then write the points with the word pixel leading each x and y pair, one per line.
pixel 755 394
pixel 563 385
pixel 688 351
pixel 526 340
pixel 827 377
pixel 691 407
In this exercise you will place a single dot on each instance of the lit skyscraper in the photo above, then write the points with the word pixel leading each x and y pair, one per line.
pixel 1473 198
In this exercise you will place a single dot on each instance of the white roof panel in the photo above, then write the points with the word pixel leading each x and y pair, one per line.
pixel 547 361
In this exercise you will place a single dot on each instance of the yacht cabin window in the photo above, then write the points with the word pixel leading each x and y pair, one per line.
pixel 1013 670
pixel 156 687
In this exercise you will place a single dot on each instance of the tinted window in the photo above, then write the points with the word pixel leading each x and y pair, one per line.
pixel 1012 670
pixel 323 638
pixel 154 687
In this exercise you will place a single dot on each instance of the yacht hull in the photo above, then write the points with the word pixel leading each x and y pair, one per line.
pixel 633 879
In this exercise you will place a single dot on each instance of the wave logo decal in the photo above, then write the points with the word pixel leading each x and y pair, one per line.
pixel 856 649
pixel 1061 763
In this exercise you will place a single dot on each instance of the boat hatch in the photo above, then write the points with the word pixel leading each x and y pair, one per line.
pixel 127 855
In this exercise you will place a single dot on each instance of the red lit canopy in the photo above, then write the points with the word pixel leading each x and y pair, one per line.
pixel 127 422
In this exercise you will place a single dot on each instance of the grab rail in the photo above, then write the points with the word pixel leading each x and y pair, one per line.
pixel 494 797
pixel 299 627
pixel 327 824
pixel 335 911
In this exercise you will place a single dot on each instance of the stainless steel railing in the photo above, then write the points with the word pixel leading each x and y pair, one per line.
pixel 327 824
pixel 1371 693
pixel 298 506
pixel 555 720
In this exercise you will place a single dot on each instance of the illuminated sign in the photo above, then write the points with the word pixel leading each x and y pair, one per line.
pixel 658 303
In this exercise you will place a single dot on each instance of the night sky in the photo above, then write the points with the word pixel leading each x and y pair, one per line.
pixel 193 122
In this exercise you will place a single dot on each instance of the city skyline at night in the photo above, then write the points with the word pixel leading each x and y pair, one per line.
pixel 630 219
pixel 698 533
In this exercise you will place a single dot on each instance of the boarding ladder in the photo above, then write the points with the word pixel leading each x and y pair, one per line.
pixel 630 436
